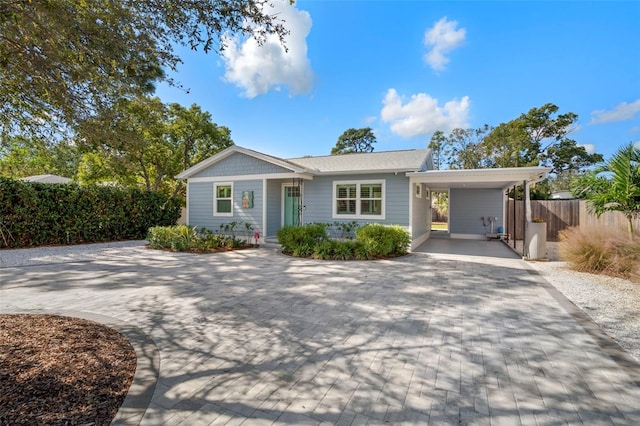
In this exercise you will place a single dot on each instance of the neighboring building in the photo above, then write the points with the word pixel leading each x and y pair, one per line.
pixel 562 195
pixel 392 187
pixel 47 179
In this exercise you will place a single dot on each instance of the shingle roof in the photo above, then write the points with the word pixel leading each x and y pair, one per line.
pixel 47 179
pixel 406 160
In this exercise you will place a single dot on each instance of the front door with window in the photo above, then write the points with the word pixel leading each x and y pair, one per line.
pixel 291 205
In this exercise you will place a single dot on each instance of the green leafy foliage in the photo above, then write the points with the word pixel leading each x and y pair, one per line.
pixel 25 156
pixel 42 214
pixel 535 138
pixel 372 241
pixel 62 60
pixel 614 186
pixel 355 140
pixel 383 240
pixel 144 142
pixel 184 238
pixel 302 239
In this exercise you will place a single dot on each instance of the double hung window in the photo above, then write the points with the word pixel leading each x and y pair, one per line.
pixel 358 199
pixel 223 199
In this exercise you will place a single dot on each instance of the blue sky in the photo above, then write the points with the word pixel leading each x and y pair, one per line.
pixel 408 68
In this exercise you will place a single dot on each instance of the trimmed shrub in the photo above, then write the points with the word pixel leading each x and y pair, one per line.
pixel 302 239
pixel 325 250
pixel 372 241
pixel 601 252
pixel 36 214
pixel 384 240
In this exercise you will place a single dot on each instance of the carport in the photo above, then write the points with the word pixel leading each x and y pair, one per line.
pixel 475 195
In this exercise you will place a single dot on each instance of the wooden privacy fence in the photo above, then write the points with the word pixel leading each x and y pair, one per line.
pixel 562 214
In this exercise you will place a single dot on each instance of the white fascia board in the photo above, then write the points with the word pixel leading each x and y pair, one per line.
pixel 269 176
pixel 362 172
pixel 513 174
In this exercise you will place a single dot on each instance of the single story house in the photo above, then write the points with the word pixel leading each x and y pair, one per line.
pixel 391 187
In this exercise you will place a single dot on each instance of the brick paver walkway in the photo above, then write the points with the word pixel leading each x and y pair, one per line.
pixel 253 337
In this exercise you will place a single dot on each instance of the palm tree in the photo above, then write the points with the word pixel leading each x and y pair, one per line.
pixel 614 186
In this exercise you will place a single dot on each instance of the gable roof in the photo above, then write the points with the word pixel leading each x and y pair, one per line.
pixel 385 161
pixel 238 149
pixel 411 160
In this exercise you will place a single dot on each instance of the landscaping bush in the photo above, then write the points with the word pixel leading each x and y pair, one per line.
pixel 325 250
pixel 35 214
pixel 384 240
pixel 372 241
pixel 601 252
pixel 302 239
pixel 185 238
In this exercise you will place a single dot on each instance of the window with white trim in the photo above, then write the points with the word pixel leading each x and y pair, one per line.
pixel 358 199
pixel 223 199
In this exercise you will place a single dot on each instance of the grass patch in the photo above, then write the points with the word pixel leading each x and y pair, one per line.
pixel 439 226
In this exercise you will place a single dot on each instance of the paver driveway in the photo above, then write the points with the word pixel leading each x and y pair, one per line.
pixel 254 337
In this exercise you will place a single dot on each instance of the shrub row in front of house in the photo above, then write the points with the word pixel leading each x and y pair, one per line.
pixel 35 214
pixel 189 239
pixel 372 241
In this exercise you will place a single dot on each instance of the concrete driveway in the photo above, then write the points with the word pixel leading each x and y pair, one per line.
pixel 254 337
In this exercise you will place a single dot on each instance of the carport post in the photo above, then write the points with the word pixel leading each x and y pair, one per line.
pixel 525 194
pixel 515 223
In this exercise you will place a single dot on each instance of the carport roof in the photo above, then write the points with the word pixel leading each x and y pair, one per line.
pixel 502 178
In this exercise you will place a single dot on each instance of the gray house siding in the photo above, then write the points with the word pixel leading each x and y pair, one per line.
pixel 240 164
pixel 274 206
pixel 318 198
pixel 468 206
pixel 201 205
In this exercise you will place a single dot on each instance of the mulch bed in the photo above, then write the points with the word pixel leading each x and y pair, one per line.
pixel 58 370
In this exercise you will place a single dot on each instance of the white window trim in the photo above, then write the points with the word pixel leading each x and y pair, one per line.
pixel 358 214
pixel 215 199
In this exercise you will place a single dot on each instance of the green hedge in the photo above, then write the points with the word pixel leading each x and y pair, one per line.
pixel 34 214
pixel 372 241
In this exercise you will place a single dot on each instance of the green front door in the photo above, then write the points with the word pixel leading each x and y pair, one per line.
pixel 291 205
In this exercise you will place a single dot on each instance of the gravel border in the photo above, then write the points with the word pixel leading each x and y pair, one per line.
pixel 66 254
pixel 612 303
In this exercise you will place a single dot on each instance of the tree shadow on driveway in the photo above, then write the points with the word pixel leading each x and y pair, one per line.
pixel 420 339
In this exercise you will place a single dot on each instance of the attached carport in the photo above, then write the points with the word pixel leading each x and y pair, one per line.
pixel 474 195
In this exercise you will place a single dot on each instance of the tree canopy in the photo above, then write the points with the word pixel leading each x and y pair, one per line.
pixel 354 140
pixel 536 138
pixel 22 156
pixel 144 141
pixel 61 61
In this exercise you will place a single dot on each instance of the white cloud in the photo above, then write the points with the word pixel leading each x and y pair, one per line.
pixel 442 38
pixel 589 147
pixel 637 145
pixel 622 112
pixel 257 69
pixel 422 115
pixel 370 120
